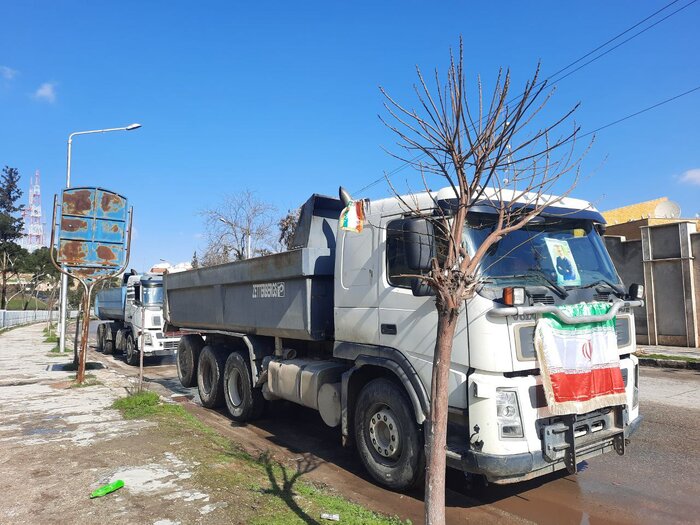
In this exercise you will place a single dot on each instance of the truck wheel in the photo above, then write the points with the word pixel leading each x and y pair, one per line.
pixel 132 354
pixel 210 375
pixel 389 440
pixel 100 337
pixel 188 350
pixel 244 402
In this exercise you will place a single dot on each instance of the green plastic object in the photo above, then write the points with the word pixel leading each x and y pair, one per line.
pixel 106 489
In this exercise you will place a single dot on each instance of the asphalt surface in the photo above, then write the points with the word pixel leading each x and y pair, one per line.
pixel 657 481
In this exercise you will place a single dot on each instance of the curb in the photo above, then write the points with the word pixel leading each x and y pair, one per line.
pixel 669 363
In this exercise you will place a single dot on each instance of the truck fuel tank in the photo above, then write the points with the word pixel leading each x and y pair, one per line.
pixel 301 380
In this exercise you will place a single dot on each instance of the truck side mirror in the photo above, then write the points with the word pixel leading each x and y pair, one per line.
pixel 420 288
pixel 419 244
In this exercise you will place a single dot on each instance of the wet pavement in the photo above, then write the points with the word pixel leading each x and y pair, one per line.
pixel 657 481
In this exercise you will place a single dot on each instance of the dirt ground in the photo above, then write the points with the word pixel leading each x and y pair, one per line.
pixel 57 444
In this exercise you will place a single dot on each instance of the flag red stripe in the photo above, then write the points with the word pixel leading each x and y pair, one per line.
pixel 585 386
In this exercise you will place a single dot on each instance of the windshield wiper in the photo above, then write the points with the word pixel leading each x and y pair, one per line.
pixel 615 287
pixel 554 286
pixel 561 291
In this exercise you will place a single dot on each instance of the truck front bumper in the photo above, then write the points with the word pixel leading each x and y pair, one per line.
pixel 521 467
pixel 158 352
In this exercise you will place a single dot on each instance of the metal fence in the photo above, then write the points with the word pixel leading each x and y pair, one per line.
pixel 19 317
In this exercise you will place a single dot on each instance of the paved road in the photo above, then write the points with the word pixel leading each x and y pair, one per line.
pixel 658 481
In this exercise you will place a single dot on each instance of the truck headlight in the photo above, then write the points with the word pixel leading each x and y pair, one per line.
pixel 147 339
pixel 508 414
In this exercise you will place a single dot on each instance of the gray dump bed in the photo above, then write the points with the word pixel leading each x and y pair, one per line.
pixel 287 294
pixel 109 304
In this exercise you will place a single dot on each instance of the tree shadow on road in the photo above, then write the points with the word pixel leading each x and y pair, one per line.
pixel 282 480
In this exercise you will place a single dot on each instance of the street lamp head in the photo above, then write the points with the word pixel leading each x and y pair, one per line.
pixel 133 126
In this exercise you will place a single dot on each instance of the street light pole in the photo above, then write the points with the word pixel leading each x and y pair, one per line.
pixel 63 304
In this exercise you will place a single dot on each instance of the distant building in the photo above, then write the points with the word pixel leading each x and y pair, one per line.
pixel 628 220
pixel 166 267
pixel 33 236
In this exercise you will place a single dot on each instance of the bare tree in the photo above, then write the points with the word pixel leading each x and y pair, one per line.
pixel 488 155
pixel 239 227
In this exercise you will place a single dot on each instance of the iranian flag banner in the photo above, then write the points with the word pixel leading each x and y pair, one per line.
pixel 579 363
pixel 352 218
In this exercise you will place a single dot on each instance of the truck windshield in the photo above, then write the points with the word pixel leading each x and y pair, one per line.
pixel 561 252
pixel 152 295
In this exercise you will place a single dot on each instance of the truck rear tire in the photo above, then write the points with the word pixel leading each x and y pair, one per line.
pixel 388 439
pixel 100 337
pixel 210 376
pixel 188 350
pixel 108 336
pixel 244 402
pixel 132 354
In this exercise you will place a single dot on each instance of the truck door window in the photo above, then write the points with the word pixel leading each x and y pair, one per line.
pixel 396 256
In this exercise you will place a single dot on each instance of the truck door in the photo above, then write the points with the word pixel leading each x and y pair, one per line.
pixel 409 323
pixel 355 299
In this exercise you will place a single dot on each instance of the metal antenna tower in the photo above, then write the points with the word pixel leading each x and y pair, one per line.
pixel 33 238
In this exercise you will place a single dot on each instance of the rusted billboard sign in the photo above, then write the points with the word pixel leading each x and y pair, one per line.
pixel 93 239
pixel 92 232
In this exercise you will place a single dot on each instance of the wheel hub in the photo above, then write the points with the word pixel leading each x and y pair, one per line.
pixel 235 388
pixel 384 433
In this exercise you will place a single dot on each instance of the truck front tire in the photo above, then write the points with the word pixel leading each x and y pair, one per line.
pixel 210 375
pixel 188 350
pixel 132 354
pixel 389 441
pixel 244 402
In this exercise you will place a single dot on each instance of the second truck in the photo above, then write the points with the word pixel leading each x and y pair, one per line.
pixel 134 313
pixel 335 325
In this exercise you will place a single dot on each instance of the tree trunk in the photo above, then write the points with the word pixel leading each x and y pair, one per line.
pixel 3 300
pixel 436 434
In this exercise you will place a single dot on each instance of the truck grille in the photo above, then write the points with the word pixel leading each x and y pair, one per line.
pixel 542 298
pixel 170 345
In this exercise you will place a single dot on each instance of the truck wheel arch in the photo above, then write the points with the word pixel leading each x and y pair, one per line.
pixel 253 347
pixel 370 367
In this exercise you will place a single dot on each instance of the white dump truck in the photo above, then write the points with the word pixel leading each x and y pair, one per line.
pixel 336 326
pixel 135 315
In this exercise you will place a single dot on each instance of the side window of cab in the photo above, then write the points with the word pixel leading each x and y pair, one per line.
pixel 396 255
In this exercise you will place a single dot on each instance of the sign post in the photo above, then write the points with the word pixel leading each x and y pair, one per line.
pixel 93 242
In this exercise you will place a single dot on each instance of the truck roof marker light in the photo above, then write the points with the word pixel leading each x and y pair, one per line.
pixel 513 296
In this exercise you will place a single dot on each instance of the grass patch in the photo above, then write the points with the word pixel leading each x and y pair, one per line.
pixel 89 380
pixel 138 405
pixel 259 490
pixel 53 338
pixel 669 357
pixel 17 303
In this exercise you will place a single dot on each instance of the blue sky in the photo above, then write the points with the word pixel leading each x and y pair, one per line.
pixel 282 97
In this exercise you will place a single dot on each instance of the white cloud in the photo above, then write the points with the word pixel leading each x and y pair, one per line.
pixel 8 73
pixel 46 92
pixel 691 177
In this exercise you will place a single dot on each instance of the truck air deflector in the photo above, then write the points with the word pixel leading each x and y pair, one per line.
pixel 449 206
pixel 551 309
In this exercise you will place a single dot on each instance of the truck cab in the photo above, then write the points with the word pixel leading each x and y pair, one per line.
pixel 499 423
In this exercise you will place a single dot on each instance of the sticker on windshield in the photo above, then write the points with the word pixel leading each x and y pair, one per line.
pixel 564 263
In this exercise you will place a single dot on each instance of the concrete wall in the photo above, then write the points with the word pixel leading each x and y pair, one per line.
pixel 695 248
pixel 627 258
pixel 664 260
